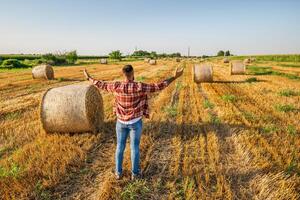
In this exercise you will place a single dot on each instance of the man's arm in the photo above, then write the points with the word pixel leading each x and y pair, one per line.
pixel 107 86
pixel 154 87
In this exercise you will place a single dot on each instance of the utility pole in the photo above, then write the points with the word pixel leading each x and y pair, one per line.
pixel 188 52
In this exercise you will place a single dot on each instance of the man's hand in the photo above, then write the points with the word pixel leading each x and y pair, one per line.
pixel 178 72
pixel 86 74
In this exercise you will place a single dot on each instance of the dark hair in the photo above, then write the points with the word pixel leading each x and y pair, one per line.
pixel 127 69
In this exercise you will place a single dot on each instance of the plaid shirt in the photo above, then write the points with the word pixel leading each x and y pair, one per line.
pixel 131 100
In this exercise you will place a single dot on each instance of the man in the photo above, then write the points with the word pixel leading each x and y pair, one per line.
pixel 131 104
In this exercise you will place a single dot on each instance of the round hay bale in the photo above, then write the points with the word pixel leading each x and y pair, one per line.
pixel 225 60
pixel 71 108
pixel 43 71
pixel 152 62
pixel 103 61
pixel 247 61
pixel 202 73
pixel 146 60
pixel 237 67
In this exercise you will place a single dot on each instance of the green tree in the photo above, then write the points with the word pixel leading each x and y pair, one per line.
pixel 153 54
pixel 117 55
pixel 175 55
pixel 162 55
pixel 141 53
pixel 220 53
pixel 71 57
pixel 227 53
pixel 52 59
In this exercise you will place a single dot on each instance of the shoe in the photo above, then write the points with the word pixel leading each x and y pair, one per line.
pixel 118 176
pixel 136 176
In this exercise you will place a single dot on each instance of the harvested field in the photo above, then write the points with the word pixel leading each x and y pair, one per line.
pixel 228 139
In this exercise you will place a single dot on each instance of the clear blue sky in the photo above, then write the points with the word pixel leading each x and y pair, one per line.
pixel 97 27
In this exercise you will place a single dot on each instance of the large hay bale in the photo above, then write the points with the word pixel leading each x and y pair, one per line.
pixel 147 60
pixel 202 73
pixel 225 60
pixel 43 71
pixel 152 62
pixel 103 61
pixel 72 108
pixel 237 67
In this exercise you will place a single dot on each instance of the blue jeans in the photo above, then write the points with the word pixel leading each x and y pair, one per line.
pixel 123 130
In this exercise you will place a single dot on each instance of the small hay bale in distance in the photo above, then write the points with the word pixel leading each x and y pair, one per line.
pixel 103 61
pixel 152 62
pixel 225 60
pixel 237 67
pixel 247 61
pixel 71 109
pixel 147 60
pixel 202 73
pixel 43 72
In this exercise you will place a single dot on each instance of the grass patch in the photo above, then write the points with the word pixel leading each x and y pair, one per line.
pixel 285 107
pixel 214 119
pixel 208 104
pixel 13 115
pixel 229 98
pixel 251 80
pixel 268 129
pixel 179 86
pixel 13 171
pixel 291 130
pixel 140 78
pixel 136 190
pixel 289 76
pixel 290 65
pixel 40 192
pixel 293 167
pixel 288 93
pixel 249 116
pixel 171 110
pixel 256 70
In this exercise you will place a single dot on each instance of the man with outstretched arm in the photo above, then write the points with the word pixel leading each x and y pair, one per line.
pixel 131 104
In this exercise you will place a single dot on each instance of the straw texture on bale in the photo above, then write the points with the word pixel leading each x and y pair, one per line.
pixel 152 62
pixel 202 73
pixel 103 61
pixel 225 60
pixel 72 108
pixel 237 67
pixel 43 72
